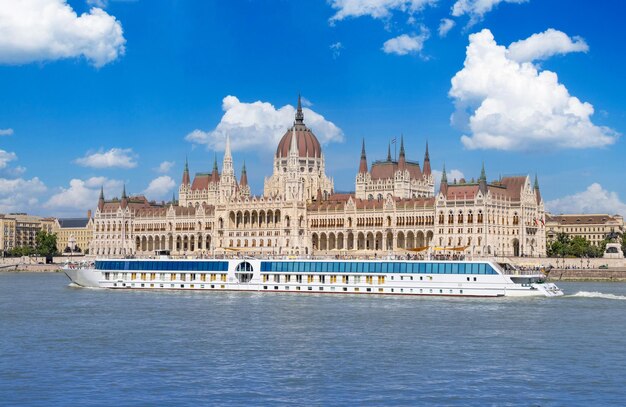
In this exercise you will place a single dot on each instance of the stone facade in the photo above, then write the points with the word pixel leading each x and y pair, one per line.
pixel 593 227
pixel 20 230
pixel 74 233
pixel 394 209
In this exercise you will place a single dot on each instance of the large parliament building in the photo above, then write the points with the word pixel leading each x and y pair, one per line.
pixel 394 209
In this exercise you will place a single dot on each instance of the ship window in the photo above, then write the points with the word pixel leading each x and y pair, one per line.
pixel 243 272
pixel 429 267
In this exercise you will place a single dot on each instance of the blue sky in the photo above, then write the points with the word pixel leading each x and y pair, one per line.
pixel 147 82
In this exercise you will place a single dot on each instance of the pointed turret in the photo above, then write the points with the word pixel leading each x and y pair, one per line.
pixel 389 152
pixel 482 180
pixel 124 202
pixel 363 163
pixel 427 170
pixel 186 180
pixel 537 192
pixel 215 175
pixel 227 154
pixel 402 158
pixel 443 187
pixel 101 199
pixel 173 198
pixel 244 176
pixel 299 114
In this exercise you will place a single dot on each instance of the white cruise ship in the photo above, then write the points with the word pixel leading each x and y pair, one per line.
pixel 391 277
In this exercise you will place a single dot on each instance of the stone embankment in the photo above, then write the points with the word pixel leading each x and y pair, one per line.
pixel 618 275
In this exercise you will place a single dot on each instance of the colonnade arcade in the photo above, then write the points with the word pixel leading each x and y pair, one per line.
pixel 370 240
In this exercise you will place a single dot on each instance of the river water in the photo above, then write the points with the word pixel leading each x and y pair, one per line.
pixel 71 346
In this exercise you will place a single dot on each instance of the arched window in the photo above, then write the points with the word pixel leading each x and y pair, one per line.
pixel 244 272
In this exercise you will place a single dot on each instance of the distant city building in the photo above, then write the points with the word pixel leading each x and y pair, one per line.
pixel 394 209
pixel 74 234
pixel 593 227
pixel 20 229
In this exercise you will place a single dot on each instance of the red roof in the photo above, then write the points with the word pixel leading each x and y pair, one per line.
pixel 387 169
pixel 308 145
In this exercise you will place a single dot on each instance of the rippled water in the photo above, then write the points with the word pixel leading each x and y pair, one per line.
pixel 70 346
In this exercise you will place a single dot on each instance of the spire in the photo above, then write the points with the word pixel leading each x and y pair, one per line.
pixel 299 114
pixel 173 198
pixel 537 192
pixel 124 202
pixel 389 152
pixel 483 177
pixel 186 180
pixel 363 163
pixel 402 158
pixel 293 146
pixel 227 149
pixel 244 176
pixel 101 199
pixel 427 170
pixel 215 175
pixel 443 187
pixel 482 181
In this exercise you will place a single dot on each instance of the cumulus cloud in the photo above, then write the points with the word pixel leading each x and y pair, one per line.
pixel 476 9
pixel 406 44
pixel 81 195
pixel 260 125
pixel 445 25
pixel 47 30
pixel 20 195
pixel 160 187
pixel 165 167
pixel 379 9
pixel 507 105
pixel 544 45
pixel 5 158
pixel 595 199
pixel 115 157
pixel 6 132
pixel 450 174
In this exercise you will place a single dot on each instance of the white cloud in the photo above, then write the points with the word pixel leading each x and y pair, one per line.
pixel 445 26
pixel 336 49
pixel 506 105
pixel 594 199
pixel 81 195
pixel 98 3
pixel 379 9
pixel 165 167
pixel 450 174
pixel 20 195
pixel 406 44
pixel 47 30
pixel 476 9
pixel 115 157
pixel 6 132
pixel 260 125
pixel 5 158
pixel 160 187
pixel 544 45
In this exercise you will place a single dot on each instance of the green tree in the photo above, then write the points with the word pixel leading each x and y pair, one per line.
pixel 46 244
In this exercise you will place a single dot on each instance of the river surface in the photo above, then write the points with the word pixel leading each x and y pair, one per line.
pixel 72 346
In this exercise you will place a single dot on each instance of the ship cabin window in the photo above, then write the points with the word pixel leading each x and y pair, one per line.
pixel 377 267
